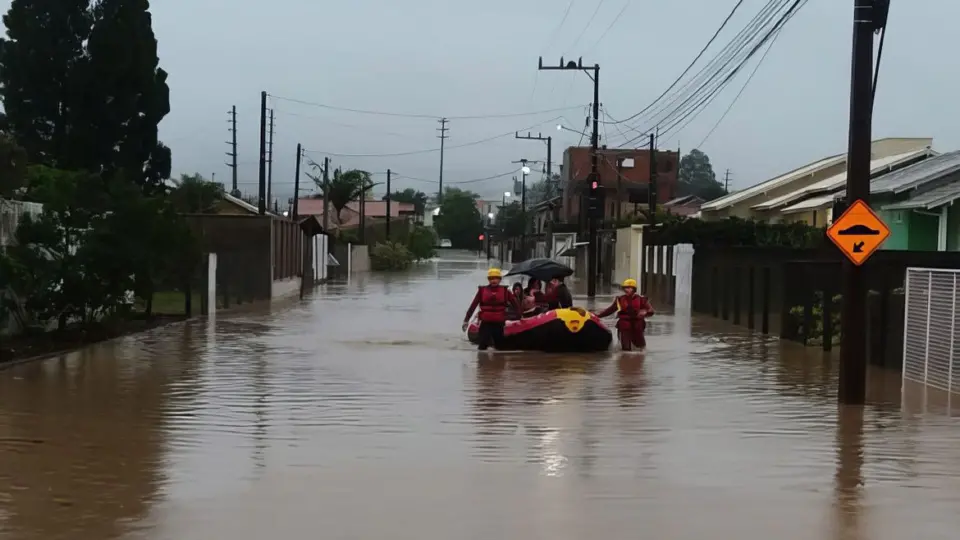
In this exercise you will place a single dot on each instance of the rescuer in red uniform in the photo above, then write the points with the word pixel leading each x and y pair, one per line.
pixel 632 311
pixel 493 300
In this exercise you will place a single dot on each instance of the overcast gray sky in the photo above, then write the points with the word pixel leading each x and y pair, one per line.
pixel 457 58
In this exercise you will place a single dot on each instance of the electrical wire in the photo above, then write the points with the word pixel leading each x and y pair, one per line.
pixel 587 27
pixel 701 96
pixel 740 93
pixel 423 116
pixel 699 107
pixel 690 66
pixel 460 182
pixel 435 149
pixel 714 69
pixel 610 27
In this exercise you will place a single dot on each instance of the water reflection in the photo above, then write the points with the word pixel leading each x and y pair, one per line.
pixel 362 412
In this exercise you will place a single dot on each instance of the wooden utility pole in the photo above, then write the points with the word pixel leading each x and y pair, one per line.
pixel 232 154
pixel 726 182
pixel 388 205
pixel 296 183
pixel 326 190
pixel 653 180
pixel 853 350
pixel 443 129
pixel 594 190
pixel 270 162
pixel 262 192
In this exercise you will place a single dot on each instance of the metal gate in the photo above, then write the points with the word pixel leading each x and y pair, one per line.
pixel 930 328
pixel 683 272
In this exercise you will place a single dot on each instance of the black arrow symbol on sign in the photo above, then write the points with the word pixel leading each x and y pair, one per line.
pixel 858 247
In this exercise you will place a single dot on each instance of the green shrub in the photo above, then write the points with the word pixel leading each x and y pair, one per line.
pixel 389 256
pixel 421 243
pixel 815 335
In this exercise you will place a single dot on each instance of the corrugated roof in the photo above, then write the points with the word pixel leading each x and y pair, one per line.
pixel 837 181
pixel 733 198
pixel 812 203
pixel 917 174
pixel 934 198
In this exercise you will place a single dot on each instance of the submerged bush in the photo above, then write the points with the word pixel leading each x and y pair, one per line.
pixel 390 256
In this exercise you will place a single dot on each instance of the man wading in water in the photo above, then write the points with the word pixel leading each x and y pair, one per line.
pixel 493 300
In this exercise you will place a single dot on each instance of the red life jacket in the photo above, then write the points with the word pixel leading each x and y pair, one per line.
pixel 493 303
pixel 628 312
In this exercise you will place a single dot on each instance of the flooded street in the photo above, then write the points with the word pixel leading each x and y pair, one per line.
pixel 362 412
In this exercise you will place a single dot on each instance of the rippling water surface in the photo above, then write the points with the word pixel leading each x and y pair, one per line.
pixel 361 412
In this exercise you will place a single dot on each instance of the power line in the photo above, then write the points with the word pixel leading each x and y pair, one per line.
pixel 695 110
pixel 714 69
pixel 740 93
pixel 612 24
pixel 701 96
pixel 587 27
pixel 431 150
pixel 690 66
pixel 423 116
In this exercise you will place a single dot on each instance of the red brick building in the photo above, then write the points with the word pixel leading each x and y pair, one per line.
pixel 635 179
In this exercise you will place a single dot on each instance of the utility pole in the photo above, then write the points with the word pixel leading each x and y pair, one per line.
pixel 726 182
pixel 443 129
pixel 594 190
pixel 363 216
pixel 233 150
pixel 489 228
pixel 524 170
pixel 296 183
pixel 270 161
pixel 388 205
pixel 262 194
pixel 653 181
pixel 326 190
pixel 619 187
pixel 549 141
pixel 853 352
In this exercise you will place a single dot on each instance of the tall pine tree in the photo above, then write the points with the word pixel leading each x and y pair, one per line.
pixel 38 61
pixel 82 87
pixel 126 93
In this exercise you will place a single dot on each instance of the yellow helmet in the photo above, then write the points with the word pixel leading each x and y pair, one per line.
pixel 494 273
pixel 629 282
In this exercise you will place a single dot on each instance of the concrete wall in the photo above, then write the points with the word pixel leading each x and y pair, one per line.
pixel 359 258
pixel 627 253
pixel 243 245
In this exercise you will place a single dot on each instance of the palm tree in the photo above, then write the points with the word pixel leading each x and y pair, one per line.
pixel 344 188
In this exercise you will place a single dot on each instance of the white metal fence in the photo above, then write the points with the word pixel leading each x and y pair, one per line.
pixel 930 328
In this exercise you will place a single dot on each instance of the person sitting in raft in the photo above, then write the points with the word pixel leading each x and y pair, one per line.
pixel 517 290
pixel 558 295
pixel 493 300
pixel 535 289
pixel 632 311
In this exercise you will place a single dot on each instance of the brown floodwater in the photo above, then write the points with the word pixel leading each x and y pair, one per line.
pixel 362 413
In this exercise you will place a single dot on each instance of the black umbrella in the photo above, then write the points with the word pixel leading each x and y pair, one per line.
pixel 542 269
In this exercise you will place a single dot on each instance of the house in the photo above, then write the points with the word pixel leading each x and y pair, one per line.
pixel 624 175
pixel 741 203
pixel 789 207
pixel 350 216
pixel 684 206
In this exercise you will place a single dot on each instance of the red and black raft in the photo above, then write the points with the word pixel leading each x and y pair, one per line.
pixel 558 330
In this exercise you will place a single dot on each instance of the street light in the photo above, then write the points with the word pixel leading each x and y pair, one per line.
pixel 436 211
pixel 490 215
pixel 561 127
pixel 525 170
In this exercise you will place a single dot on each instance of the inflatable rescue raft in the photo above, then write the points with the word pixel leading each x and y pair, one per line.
pixel 558 330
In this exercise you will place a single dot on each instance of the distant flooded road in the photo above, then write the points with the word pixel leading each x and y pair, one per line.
pixel 363 413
